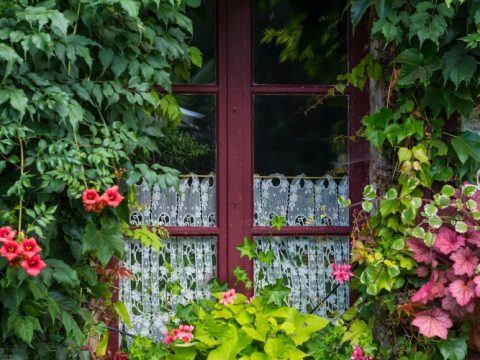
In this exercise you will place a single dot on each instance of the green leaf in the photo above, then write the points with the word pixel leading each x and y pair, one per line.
pixel 102 346
pixel 63 273
pixel 105 242
pixel 383 8
pixel 448 190
pixel 357 330
pixel 453 349
pixel 461 227
pixel 367 206
pixel 17 97
pixel 398 244
pixel 458 65
pixel 357 10
pixel 416 67
pixel 369 192
pixel 467 144
pixel 24 327
pixel 420 153
pixel 404 154
pixel 275 293
pixel 122 312
pixel 10 56
pixel 248 248
pixel 196 56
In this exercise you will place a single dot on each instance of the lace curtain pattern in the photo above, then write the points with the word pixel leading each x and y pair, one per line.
pixel 300 201
pixel 193 205
pixel 178 274
pixel 304 264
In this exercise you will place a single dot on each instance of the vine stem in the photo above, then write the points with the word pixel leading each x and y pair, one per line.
pixel 22 164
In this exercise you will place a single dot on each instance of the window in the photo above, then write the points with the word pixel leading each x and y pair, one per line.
pixel 275 147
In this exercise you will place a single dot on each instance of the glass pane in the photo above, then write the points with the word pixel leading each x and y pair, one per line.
pixel 179 273
pixel 303 262
pixel 300 160
pixel 204 31
pixel 299 41
pixel 194 204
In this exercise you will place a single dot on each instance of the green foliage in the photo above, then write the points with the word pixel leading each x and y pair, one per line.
pixel 79 109
pixel 243 330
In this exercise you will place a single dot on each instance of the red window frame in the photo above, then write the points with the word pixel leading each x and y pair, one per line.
pixel 234 90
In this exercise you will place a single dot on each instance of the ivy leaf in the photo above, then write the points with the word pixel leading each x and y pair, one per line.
pixel 242 276
pixel 458 65
pixel 266 257
pixel 357 10
pixel 416 67
pixel 105 242
pixel 275 293
pixel 467 144
pixel 247 249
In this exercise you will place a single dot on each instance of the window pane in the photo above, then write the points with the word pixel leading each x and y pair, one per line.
pixel 204 38
pixel 300 160
pixel 179 273
pixel 299 41
pixel 194 204
pixel 303 262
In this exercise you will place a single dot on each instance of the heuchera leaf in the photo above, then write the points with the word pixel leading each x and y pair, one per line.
pixel 462 292
pixel 464 262
pixel 448 241
pixel 435 322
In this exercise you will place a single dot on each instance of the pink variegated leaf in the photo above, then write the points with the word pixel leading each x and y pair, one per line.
pixel 435 322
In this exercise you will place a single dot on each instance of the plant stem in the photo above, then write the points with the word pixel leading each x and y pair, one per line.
pixel 22 163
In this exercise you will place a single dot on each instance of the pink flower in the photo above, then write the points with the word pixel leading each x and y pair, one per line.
pixel 33 265
pixel 422 253
pixel 29 247
pixel 462 292
pixel 185 333
pixel 357 353
pixel 228 297
pixel 6 233
pixel 341 272
pixel 464 261
pixel 435 322
pixel 448 241
pixel 10 249
pixel 90 197
pixel 168 339
pixel 112 197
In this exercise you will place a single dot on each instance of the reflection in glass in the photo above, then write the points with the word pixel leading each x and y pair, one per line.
pixel 295 135
pixel 299 41
pixel 197 134
pixel 204 30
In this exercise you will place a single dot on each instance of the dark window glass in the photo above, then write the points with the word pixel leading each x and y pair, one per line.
pixel 298 135
pixel 196 134
pixel 299 41
pixel 204 38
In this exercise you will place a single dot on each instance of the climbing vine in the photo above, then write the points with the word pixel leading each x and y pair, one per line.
pixel 79 109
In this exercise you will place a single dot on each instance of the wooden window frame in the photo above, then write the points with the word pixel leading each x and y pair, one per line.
pixel 234 91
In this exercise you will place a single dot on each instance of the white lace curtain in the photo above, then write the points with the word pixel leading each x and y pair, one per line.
pixel 300 201
pixel 303 262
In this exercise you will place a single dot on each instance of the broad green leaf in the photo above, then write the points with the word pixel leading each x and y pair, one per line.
pixel 248 248
pixel 122 312
pixel 458 65
pixel 102 346
pixel 63 273
pixel 467 144
pixel 453 349
pixel 105 241
pixel 448 190
pixel 404 154
pixel 461 227
pixel 357 10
